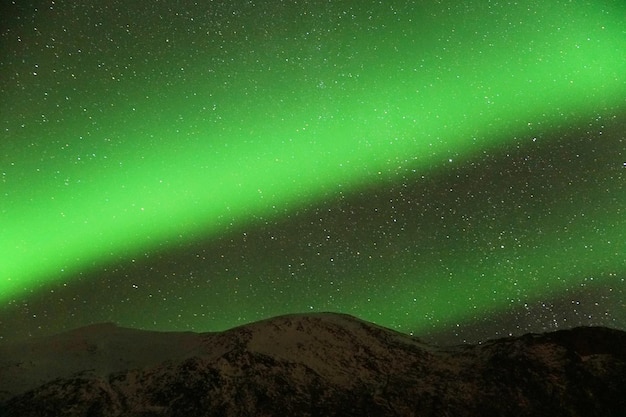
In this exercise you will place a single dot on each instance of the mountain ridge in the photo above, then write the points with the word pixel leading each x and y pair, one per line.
pixel 316 364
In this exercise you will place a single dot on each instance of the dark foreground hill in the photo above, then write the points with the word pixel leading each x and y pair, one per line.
pixel 312 365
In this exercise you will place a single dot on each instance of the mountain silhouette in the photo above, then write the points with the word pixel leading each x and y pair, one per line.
pixel 322 364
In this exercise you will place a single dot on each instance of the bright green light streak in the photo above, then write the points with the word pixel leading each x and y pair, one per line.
pixel 191 183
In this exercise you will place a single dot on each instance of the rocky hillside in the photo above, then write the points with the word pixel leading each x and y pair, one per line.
pixel 312 365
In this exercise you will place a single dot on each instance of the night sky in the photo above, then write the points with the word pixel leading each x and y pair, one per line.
pixel 453 170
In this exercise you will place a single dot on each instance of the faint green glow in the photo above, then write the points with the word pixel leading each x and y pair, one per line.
pixel 470 288
pixel 400 103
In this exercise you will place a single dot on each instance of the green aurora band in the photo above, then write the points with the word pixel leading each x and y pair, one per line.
pixel 282 133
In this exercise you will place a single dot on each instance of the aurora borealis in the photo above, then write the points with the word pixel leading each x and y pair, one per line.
pixel 454 170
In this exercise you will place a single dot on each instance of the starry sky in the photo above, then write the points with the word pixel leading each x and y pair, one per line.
pixel 452 170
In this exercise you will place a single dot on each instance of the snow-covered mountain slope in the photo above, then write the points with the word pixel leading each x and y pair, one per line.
pixel 321 364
